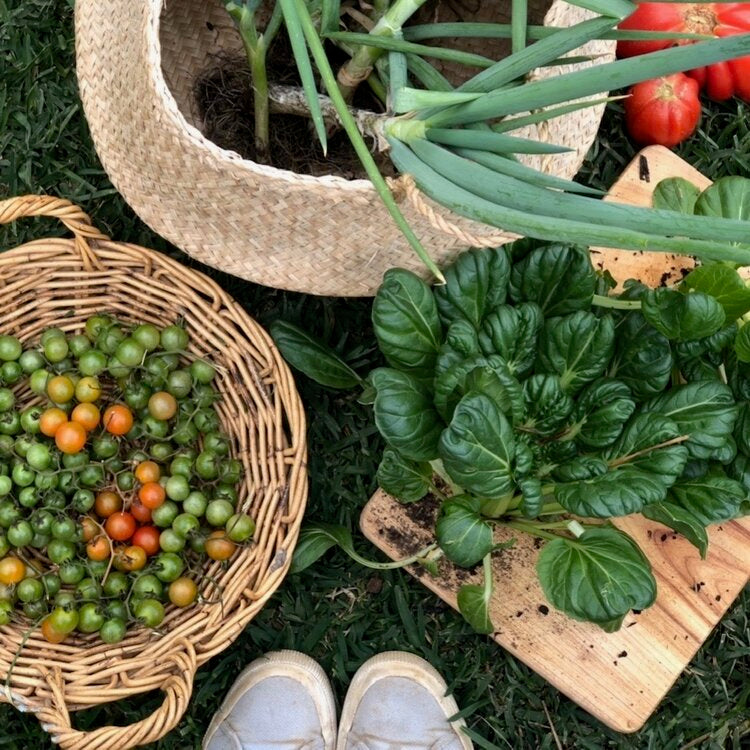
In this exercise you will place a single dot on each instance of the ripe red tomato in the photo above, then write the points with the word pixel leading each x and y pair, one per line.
pixel 140 512
pixel 720 80
pixel 147 538
pixel 663 110
pixel 152 495
pixel 120 526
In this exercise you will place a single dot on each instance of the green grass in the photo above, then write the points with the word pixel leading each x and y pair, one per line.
pixel 338 612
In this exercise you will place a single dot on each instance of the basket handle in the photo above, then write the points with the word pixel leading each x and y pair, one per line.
pixel 74 218
pixel 178 687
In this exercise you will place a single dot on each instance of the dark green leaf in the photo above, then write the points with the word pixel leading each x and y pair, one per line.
pixel 475 284
pixel 512 332
pixel 532 498
pixel 406 480
pixel 681 520
pixel 742 344
pixel 583 467
pixel 477 447
pixel 576 347
pixel 704 410
pixel 462 533
pixel 682 316
pixel 405 415
pixel 312 544
pixel 547 405
pixel 602 409
pixel 559 278
pixel 676 194
pixel 739 470
pixel 742 428
pixel 728 198
pixel 724 284
pixel 643 357
pixel 641 471
pixel 712 499
pixel 474 605
pixel 406 323
pixel 598 577
pixel 461 342
pixel 311 357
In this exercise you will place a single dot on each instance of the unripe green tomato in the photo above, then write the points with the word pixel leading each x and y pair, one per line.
pixel 230 471
pixel 92 363
pixel 113 630
pixel 7 399
pixel 227 492
pixel 55 499
pixel 206 420
pixel 38 381
pixel 109 338
pixel 161 452
pixel 6 485
pixel 207 465
pixel 116 584
pixel 181 466
pixel 20 533
pixel 38 456
pixel 72 571
pixel 130 352
pixel 171 541
pixel 165 514
pixel 105 445
pixel 168 566
pixel 90 618
pixel 177 488
pixel 51 583
pixel 4 545
pixel 202 371
pixel 155 428
pixel 10 373
pixel 7 446
pixel 36 609
pixel 60 551
pixel 185 524
pixel 63 620
pixel 114 465
pixel 29 497
pixel 126 481
pixel 136 396
pixel 147 336
pixel 65 367
pixel 65 599
pixel 30 419
pixel 10 423
pixel 92 475
pixel 174 339
pixel 48 334
pixel 30 590
pixel 56 349
pixel 89 589
pixel 78 344
pixel 180 383
pixel 197 541
pixel 6 611
pixel 117 609
pixel 96 324
pixel 31 360
pixel 97 568
pixel 22 445
pixel 75 460
pixel 23 475
pixel 65 528
pixel 204 395
pixel 195 503
pixel 10 348
pixel 40 541
pixel 9 512
pixel 147 586
pixel 41 521
pixel 219 512
pixel 117 369
pixel 240 527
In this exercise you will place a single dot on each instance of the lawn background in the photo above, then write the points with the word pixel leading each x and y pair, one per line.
pixel 338 612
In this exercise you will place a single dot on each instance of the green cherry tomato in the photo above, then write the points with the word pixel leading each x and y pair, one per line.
pixel 202 371
pixel 155 428
pixel 165 514
pixel 65 599
pixel 97 568
pixel 230 472
pixel 181 466
pixel 40 541
pixel 195 503
pixel 60 552
pixel 171 541
pixel 7 399
pixel 20 533
pixel 113 630
pixel 4 545
pixel 149 611
pixel 125 481
pixel 160 452
pixel 56 349
pixel 197 540
pixel 180 383
pixel 6 485
pixel 96 324
pixel 92 475
pixel 22 444
pixel 206 420
pixel 51 583
pixel 90 618
pixel 226 492
pixel 147 336
pixel 92 363
pixel 116 584
pixel 72 571
pixel 6 611
pixel 117 609
pixel 109 339
pixel 174 339
pixel 48 334
pixel 31 360
pixel 30 590
pixel 172 361
pixel 10 423
pixel 178 488
pixel 38 456
pixel 55 499
pixel 168 566
pixel 10 348
pixel 63 620
pixel 83 500
pixel 130 352
pixel 185 524
pixel 105 445
pixel 29 497
pixel 41 521
pixel 78 344
pixel 240 527
pixel 30 419
pixel 65 528
pixel 117 369
pixel 147 586
pixel 136 396
pixel 7 445
pixel 38 381
pixel 185 433
pixel 207 465
pixel 219 512
pixel 36 609
pixel 204 395
pixel 47 480
pixel 89 589
pixel 157 371
pixel 9 513
pixel 23 475
pixel 75 460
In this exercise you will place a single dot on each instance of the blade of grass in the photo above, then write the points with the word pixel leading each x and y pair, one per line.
pixel 594 80
pixel 470 205
pixel 293 23
pixel 358 142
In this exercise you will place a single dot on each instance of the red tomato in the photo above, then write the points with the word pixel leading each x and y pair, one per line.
pixel 140 512
pixel 147 538
pixel 663 110
pixel 152 495
pixel 118 419
pixel 720 80
pixel 120 526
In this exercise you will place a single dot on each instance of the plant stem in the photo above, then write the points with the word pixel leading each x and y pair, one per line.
pixel 529 528
pixel 260 100
pixel 602 300
pixel 416 557
pixel 358 68
pixel 625 459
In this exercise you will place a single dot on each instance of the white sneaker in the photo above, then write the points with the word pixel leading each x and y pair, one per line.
pixel 397 701
pixel 282 701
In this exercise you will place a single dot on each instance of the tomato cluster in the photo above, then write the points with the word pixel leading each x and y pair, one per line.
pixel 116 481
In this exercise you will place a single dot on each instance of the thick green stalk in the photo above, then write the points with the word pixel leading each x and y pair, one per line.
pixel 359 66
pixel 602 300
pixel 519 22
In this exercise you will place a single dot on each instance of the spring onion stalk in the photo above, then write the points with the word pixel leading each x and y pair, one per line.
pixel 428 75
pixel 497 143
pixel 618 8
pixel 330 10
pixel 398 75
pixel 550 113
pixel 519 22
pixel 358 143
pixel 574 231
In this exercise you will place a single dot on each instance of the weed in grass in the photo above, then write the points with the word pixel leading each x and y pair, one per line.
pixel 338 612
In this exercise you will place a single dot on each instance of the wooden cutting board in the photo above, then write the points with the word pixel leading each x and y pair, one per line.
pixel 620 677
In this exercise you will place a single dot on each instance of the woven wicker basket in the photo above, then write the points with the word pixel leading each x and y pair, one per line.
pixel 137 63
pixel 60 282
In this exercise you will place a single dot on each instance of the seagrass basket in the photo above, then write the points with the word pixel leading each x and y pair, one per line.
pixel 60 282
pixel 137 63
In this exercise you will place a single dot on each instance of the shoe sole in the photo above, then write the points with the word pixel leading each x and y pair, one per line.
pixel 296 666
pixel 398 664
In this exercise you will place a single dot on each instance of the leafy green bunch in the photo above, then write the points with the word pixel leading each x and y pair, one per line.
pixel 522 395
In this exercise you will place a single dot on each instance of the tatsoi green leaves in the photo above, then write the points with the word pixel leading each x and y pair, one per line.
pixel 728 198
pixel 676 194
pixel 559 278
pixel 406 323
pixel 407 480
pixel 577 347
pixel 682 316
pixel 681 520
pixel 512 332
pixel 404 414
pixel 474 601
pixel 462 533
pixel 475 284
pixel 724 284
pixel 547 405
pixel 477 447
pixel 711 499
pixel 598 577
pixel 603 408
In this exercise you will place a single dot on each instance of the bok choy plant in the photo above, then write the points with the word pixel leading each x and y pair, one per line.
pixel 547 406
pixel 456 141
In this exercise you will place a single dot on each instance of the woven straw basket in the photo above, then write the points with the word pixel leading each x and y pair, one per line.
pixel 61 282
pixel 137 64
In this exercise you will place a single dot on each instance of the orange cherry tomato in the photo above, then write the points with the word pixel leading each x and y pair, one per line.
pixel 50 634
pixel 152 495
pixel 140 512
pixel 218 547
pixel 51 420
pixel 107 503
pixel 120 526
pixel 90 528
pixel 98 548
pixel 130 558
pixel 118 419
pixel 12 570
pixel 147 537
pixel 183 591
pixel 147 471
pixel 70 437
pixel 87 415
